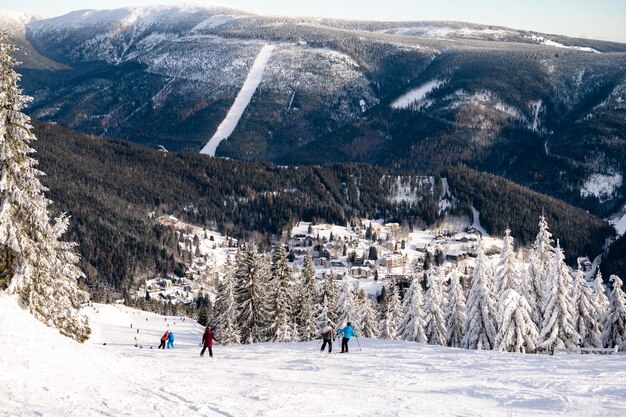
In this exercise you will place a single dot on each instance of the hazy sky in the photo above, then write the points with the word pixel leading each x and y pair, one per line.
pixel 599 19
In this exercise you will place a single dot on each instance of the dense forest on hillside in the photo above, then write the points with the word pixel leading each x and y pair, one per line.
pixel 579 233
pixel 111 187
pixel 113 190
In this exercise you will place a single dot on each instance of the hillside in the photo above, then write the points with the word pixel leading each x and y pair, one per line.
pixel 545 111
pixel 114 189
pixel 266 379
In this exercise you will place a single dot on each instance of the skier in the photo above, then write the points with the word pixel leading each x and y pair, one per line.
pixel 170 340
pixel 207 340
pixel 348 332
pixel 328 336
pixel 165 336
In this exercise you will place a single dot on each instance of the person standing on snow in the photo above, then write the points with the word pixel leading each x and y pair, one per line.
pixel 328 336
pixel 170 340
pixel 348 332
pixel 207 340
pixel 164 338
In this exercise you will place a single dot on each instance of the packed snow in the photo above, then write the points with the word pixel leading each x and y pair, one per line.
pixel 601 186
pixel 416 98
pixel 45 373
pixel 228 125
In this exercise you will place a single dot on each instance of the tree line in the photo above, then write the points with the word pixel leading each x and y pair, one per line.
pixel 527 306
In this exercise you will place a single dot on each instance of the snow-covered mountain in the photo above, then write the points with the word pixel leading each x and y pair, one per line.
pixel 47 374
pixel 544 110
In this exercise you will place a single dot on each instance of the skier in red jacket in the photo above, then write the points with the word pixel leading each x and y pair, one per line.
pixel 208 339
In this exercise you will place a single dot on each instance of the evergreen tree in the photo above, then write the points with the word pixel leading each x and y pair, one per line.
pixel 331 293
pixel 435 328
pixel 558 328
pixel 324 315
pixel 455 311
pixel 203 316
pixel 507 276
pixel 372 254
pixel 390 325
pixel 34 263
pixel 412 327
pixel 346 305
pixel 479 328
pixel 307 302
pixel 588 321
pixel 600 300
pixel 281 304
pixel 251 295
pixel 540 262
pixel 517 332
pixel 225 311
pixel 368 315
pixel 615 319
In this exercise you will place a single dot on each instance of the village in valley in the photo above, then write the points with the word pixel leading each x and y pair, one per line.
pixel 371 253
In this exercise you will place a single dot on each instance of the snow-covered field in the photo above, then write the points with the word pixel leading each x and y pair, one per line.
pixel 228 125
pixel 45 374
pixel 415 98
pixel 601 186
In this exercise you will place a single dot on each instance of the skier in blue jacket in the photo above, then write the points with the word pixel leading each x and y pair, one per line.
pixel 170 340
pixel 348 332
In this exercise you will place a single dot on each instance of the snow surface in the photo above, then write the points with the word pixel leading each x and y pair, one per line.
pixel 228 125
pixel 536 108
pixel 443 32
pixel 47 374
pixel 476 222
pixel 618 221
pixel 415 98
pixel 544 41
pixel 601 186
pixel 213 22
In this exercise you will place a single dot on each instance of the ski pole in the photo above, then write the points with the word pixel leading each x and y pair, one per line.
pixel 359 343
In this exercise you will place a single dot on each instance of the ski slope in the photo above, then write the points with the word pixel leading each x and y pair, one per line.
pixel 46 374
pixel 228 125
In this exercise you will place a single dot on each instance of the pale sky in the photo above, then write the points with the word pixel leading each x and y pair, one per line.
pixel 597 19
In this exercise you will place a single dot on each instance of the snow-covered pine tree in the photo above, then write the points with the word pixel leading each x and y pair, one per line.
pixel 330 291
pixel 479 328
pixel 600 300
pixel 225 310
pixel 307 302
pixel 251 295
pixel 588 321
pixel 368 315
pixel 435 328
pixel 540 262
pixel 34 263
pixel 516 330
pixel 558 328
pixel 614 333
pixel 346 305
pixel 390 324
pixel 281 299
pixel 507 275
pixel 527 290
pixel 324 316
pixel 412 327
pixel 455 311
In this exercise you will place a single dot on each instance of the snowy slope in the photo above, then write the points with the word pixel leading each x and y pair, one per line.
pixel 46 374
pixel 228 125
